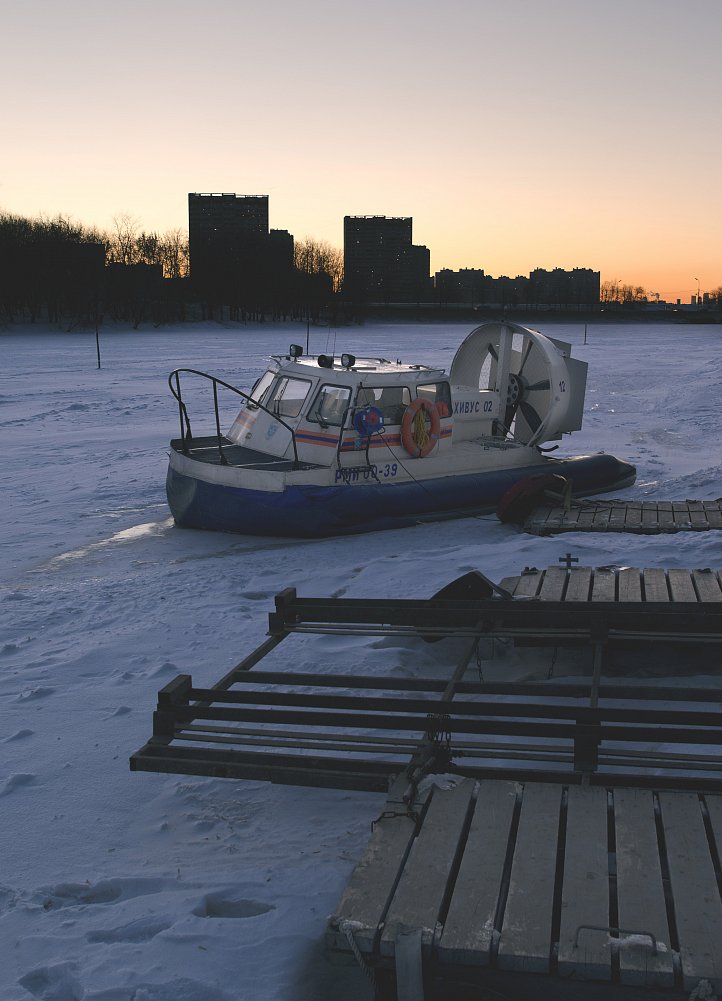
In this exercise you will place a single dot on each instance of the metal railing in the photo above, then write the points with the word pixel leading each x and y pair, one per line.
pixel 185 424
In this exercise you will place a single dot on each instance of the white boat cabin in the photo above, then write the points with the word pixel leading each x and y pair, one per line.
pixel 506 383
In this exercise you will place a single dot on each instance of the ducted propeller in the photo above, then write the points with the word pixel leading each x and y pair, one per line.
pixel 533 375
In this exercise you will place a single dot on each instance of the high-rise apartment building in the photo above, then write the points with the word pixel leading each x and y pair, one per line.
pixel 225 232
pixel 380 262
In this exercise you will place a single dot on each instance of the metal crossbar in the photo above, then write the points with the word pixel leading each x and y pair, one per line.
pixel 271 728
pixel 355 731
pixel 530 618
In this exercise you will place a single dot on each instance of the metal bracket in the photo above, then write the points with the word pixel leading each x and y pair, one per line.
pixel 617 931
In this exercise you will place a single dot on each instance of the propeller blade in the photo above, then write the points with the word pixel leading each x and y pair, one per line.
pixel 510 413
pixel 525 358
pixel 530 415
pixel 544 384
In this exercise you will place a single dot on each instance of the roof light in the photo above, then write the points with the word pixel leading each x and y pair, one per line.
pixel 295 351
pixel 325 361
pixel 348 361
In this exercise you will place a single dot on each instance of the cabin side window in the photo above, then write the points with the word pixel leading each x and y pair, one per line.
pixel 329 406
pixel 288 397
pixel 392 401
pixel 438 393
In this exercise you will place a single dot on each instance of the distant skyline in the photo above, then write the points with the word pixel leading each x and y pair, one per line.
pixel 563 134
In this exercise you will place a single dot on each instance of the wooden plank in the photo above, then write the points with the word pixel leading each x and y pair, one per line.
pixel 697 906
pixel 650 517
pixel 698 515
pixel 525 941
pixel 367 893
pixel 571 517
pixel 707 585
pixel 529 584
pixel 655 585
pixel 555 579
pixel 618 516
pixel 665 516
pixel 633 518
pixel 640 891
pixel 714 518
pixel 586 519
pixel 601 516
pixel 714 808
pixel 630 584
pixel 469 925
pixel 409 968
pixel 681 586
pixel 580 579
pixel 681 515
pixel 510 584
pixel 420 892
pixel 604 585
pixel 585 953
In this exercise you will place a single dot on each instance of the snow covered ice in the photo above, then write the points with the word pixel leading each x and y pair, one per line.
pixel 117 886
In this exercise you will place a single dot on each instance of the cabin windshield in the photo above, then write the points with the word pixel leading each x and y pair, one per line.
pixel 288 396
pixel 260 387
pixel 392 401
pixel 330 405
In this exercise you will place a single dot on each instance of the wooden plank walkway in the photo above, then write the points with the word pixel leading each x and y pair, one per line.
pixel 618 584
pixel 570 883
pixel 637 517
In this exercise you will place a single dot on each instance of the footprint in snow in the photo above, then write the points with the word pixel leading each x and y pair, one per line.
pixel 18 735
pixel 53 983
pixel 120 711
pixel 35 693
pixel 217 906
pixel 142 930
pixel 15 781
pixel 107 891
pixel 167 667
pixel 181 989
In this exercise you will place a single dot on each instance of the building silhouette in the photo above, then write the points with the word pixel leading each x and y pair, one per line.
pixel 579 287
pixel 557 289
pixel 467 286
pixel 235 259
pixel 227 234
pixel 381 264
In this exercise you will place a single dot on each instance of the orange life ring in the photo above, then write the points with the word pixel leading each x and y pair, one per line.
pixel 418 446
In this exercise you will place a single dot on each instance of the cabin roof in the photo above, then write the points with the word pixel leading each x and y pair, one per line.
pixel 362 368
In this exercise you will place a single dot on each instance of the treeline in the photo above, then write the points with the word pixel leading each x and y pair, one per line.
pixel 630 296
pixel 70 274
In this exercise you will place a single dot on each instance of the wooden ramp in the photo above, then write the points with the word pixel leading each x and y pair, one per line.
pixel 622 585
pixel 526 889
pixel 637 517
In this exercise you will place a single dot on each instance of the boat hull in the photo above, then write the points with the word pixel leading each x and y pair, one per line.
pixel 318 511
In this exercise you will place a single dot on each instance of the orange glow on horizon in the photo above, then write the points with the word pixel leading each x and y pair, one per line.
pixel 577 144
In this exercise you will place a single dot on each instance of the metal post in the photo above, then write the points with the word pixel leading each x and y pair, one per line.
pixel 224 461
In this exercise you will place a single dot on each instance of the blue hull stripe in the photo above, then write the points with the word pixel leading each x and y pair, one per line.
pixel 316 512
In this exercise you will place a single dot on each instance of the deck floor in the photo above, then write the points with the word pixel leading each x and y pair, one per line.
pixel 618 584
pixel 620 886
pixel 637 517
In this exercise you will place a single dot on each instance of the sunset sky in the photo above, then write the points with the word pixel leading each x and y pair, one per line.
pixel 523 134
